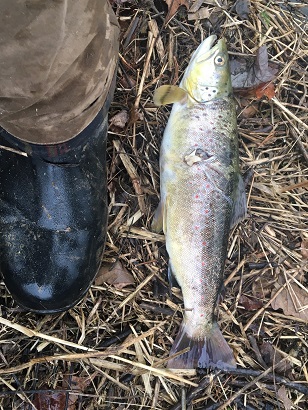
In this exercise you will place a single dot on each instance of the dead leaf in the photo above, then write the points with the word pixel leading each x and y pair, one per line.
pixel 173 6
pixel 201 14
pixel 57 400
pixel 263 70
pixel 127 81
pixel 258 91
pixel 282 394
pixel 120 119
pixel 249 109
pixel 77 383
pixel 196 4
pixel 262 287
pixel 265 90
pixel 293 300
pixel 243 8
pixel 250 303
pixel 114 274
pixel 49 400
pixel 248 73
pixel 304 248
pixel 272 357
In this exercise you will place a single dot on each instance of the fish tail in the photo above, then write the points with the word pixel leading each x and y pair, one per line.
pixel 210 351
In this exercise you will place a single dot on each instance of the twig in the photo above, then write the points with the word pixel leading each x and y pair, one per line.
pixel 145 69
pixel 299 143
pixel 272 377
pixel 248 385
pixel 287 111
pixel 16 151
pixel 194 393
pixel 132 174
pixel 32 333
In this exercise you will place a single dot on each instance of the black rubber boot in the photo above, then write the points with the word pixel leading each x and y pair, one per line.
pixel 53 217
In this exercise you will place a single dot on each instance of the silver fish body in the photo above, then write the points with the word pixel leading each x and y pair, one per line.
pixel 200 190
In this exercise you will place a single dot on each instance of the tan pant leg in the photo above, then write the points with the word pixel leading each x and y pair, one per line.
pixel 57 61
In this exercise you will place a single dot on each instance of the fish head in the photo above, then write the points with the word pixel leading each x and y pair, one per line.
pixel 207 76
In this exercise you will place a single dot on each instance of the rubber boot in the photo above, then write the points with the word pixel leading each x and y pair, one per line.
pixel 53 217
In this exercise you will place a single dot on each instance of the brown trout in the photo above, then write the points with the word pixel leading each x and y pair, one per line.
pixel 202 197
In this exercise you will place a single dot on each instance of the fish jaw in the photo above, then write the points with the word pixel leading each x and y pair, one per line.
pixel 207 76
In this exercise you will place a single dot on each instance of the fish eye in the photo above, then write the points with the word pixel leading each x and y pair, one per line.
pixel 219 60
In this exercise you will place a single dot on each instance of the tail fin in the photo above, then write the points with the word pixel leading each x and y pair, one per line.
pixel 210 351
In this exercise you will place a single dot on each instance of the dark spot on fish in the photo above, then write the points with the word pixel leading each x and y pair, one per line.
pixel 209 95
pixel 214 91
pixel 206 88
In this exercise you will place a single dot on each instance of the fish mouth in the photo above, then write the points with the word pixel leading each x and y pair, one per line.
pixel 207 49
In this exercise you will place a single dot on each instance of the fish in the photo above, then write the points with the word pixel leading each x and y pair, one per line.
pixel 202 196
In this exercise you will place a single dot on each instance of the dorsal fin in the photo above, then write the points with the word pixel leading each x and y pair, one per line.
pixel 168 94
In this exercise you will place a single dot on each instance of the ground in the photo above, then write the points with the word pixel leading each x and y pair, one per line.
pixel 111 349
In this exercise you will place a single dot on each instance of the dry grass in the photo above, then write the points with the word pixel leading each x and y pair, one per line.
pixel 117 341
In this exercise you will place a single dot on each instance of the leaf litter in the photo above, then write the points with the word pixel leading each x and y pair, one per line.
pixel 248 75
pixel 267 256
pixel 293 299
pixel 242 8
pixel 114 274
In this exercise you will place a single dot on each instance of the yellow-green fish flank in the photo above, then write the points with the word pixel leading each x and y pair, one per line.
pixel 202 196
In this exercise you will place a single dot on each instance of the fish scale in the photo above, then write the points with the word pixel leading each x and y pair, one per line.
pixel 201 197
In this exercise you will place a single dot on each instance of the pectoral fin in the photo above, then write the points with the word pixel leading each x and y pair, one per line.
pixel 168 94
pixel 240 206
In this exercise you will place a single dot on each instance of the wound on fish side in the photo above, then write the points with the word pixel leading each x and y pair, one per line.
pixel 212 350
